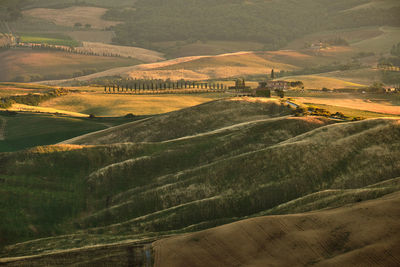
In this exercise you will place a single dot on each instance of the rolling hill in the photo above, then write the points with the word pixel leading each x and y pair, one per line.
pixel 193 169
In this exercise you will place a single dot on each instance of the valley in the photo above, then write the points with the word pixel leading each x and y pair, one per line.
pixel 199 133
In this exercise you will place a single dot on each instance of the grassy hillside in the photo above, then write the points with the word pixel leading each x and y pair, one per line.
pixel 363 76
pixel 212 67
pixel 189 170
pixel 183 49
pixel 381 43
pixel 324 238
pixel 26 64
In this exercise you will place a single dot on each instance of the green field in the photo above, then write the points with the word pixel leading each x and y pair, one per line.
pixel 40 39
pixel 29 130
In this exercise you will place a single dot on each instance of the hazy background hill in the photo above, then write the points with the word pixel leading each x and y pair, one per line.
pixel 327 36
pixel 273 23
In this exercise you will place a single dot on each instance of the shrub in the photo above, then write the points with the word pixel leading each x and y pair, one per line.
pixel 130 116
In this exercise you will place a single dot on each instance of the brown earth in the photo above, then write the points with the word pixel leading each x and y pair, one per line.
pixel 364 234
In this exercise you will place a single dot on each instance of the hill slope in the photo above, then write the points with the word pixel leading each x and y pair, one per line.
pixel 351 235
pixel 343 236
pixel 25 65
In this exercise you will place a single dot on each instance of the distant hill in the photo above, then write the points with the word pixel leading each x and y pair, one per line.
pixel 273 23
pixel 190 170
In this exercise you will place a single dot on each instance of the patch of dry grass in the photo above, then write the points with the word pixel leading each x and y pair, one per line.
pixel 54 148
pixel 71 15
pixel 319 82
pixel 141 54
pixel 38 109
pixel 211 67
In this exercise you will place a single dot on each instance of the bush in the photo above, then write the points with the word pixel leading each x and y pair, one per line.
pixel 299 111
pixel 130 116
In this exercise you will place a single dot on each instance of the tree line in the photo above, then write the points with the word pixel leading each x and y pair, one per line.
pixel 62 48
pixel 159 86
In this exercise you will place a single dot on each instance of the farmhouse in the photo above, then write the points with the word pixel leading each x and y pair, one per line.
pixel 278 85
pixel 390 90
pixel 261 90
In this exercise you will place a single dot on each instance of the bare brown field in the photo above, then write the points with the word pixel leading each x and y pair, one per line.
pixel 119 105
pixel 354 103
pixel 70 16
pixel 141 54
pixel 365 234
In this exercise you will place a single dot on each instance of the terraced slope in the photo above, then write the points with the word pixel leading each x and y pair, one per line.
pixel 190 170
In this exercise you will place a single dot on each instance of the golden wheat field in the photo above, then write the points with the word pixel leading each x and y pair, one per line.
pixel 319 82
pixel 118 105
pixel 354 103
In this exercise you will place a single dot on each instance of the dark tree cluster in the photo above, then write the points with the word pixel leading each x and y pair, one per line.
pixel 31 99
